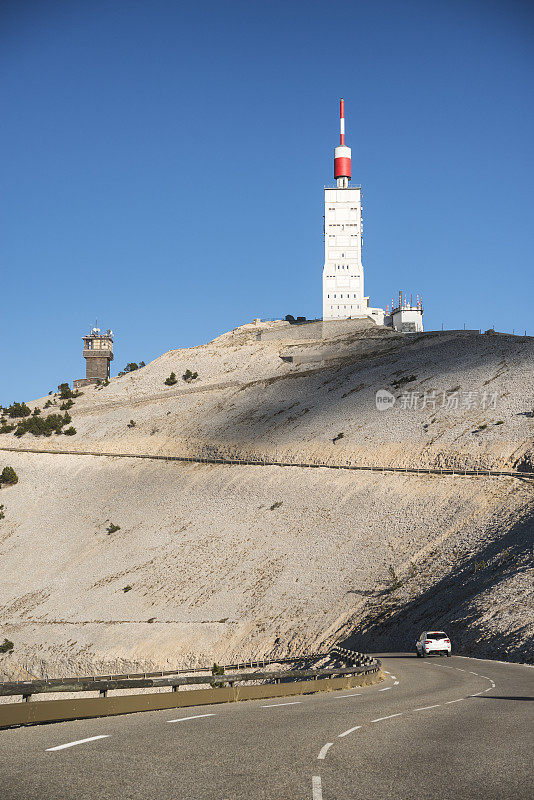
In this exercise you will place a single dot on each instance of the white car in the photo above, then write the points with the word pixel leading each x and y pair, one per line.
pixel 433 642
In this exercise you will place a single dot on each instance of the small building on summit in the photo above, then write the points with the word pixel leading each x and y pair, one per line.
pixel 98 354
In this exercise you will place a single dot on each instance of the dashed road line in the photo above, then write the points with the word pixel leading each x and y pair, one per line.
pixel 79 741
pixel 425 708
pixel 393 677
pixel 454 701
pixel 385 690
pixel 277 705
pixel 324 750
pixel 350 730
pixel 395 683
pixel 339 696
pixel 184 719
pixel 317 791
pixel 390 716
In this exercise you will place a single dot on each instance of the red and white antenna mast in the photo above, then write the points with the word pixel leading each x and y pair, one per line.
pixel 342 153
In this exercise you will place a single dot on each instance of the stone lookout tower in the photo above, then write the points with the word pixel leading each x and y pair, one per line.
pixel 98 353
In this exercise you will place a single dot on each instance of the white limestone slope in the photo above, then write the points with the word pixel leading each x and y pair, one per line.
pixel 215 572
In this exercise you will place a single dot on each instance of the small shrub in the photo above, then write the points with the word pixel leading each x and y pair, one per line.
pixel 5 428
pixel 66 405
pixel 112 528
pixel 127 589
pixel 2 511
pixel 18 410
pixel 70 431
pixel 106 382
pixel 405 379
pixel 9 476
pixel 171 380
pixel 66 393
pixel 338 437
pixel 152 619
pixel 217 670
pixel 131 424
pixel 6 646
pixel 131 367
pixel 36 411
pixel 189 376
pixel 276 505
pixel 47 404
pixel 43 426
pixel 483 427
pixel 395 583
pixel 500 422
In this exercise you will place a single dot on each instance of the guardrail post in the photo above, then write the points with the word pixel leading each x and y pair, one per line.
pixel 103 693
pixel 26 698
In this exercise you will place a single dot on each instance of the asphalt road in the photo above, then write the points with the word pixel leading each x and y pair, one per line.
pixel 436 728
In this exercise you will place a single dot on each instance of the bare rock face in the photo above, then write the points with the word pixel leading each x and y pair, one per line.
pixel 112 564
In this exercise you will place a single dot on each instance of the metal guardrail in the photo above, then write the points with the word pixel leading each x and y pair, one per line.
pixel 105 686
pixel 265 462
pixel 249 664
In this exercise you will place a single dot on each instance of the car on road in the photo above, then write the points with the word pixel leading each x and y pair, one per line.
pixel 433 642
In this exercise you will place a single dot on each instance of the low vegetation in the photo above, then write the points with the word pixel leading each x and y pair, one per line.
pixel 43 426
pixel 18 410
pixel 2 511
pixel 127 589
pixel 276 505
pixel 131 424
pixel 189 376
pixel 112 528
pixel 338 437
pixel 66 405
pixel 394 582
pixel 7 646
pixel 217 670
pixel 403 380
pixel 171 380
pixel 66 393
pixel 8 476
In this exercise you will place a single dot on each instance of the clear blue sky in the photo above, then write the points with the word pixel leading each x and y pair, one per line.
pixel 163 165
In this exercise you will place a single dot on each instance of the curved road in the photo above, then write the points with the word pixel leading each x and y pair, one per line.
pixel 435 728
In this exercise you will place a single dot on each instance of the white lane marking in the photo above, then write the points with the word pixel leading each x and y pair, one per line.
pixel 350 730
pixel 197 716
pixel 339 696
pixel 324 750
pixel 475 695
pixel 393 677
pixel 488 689
pixel 80 741
pixel 317 792
pixel 460 669
pixel 389 717
pixel 473 673
pixel 385 670
pixel 454 701
pixel 276 705
pixel 425 708
pixel 385 690
pixel 396 683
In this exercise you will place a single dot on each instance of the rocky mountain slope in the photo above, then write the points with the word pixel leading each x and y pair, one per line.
pixel 212 562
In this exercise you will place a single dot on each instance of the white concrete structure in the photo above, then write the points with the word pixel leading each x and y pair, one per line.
pixel 408 319
pixel 343 291
pixel 343 271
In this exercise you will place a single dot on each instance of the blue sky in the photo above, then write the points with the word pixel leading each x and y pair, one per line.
pixel 163 166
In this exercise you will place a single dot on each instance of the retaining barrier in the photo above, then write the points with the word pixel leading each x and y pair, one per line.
pixel 273 463
pixel 286 683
